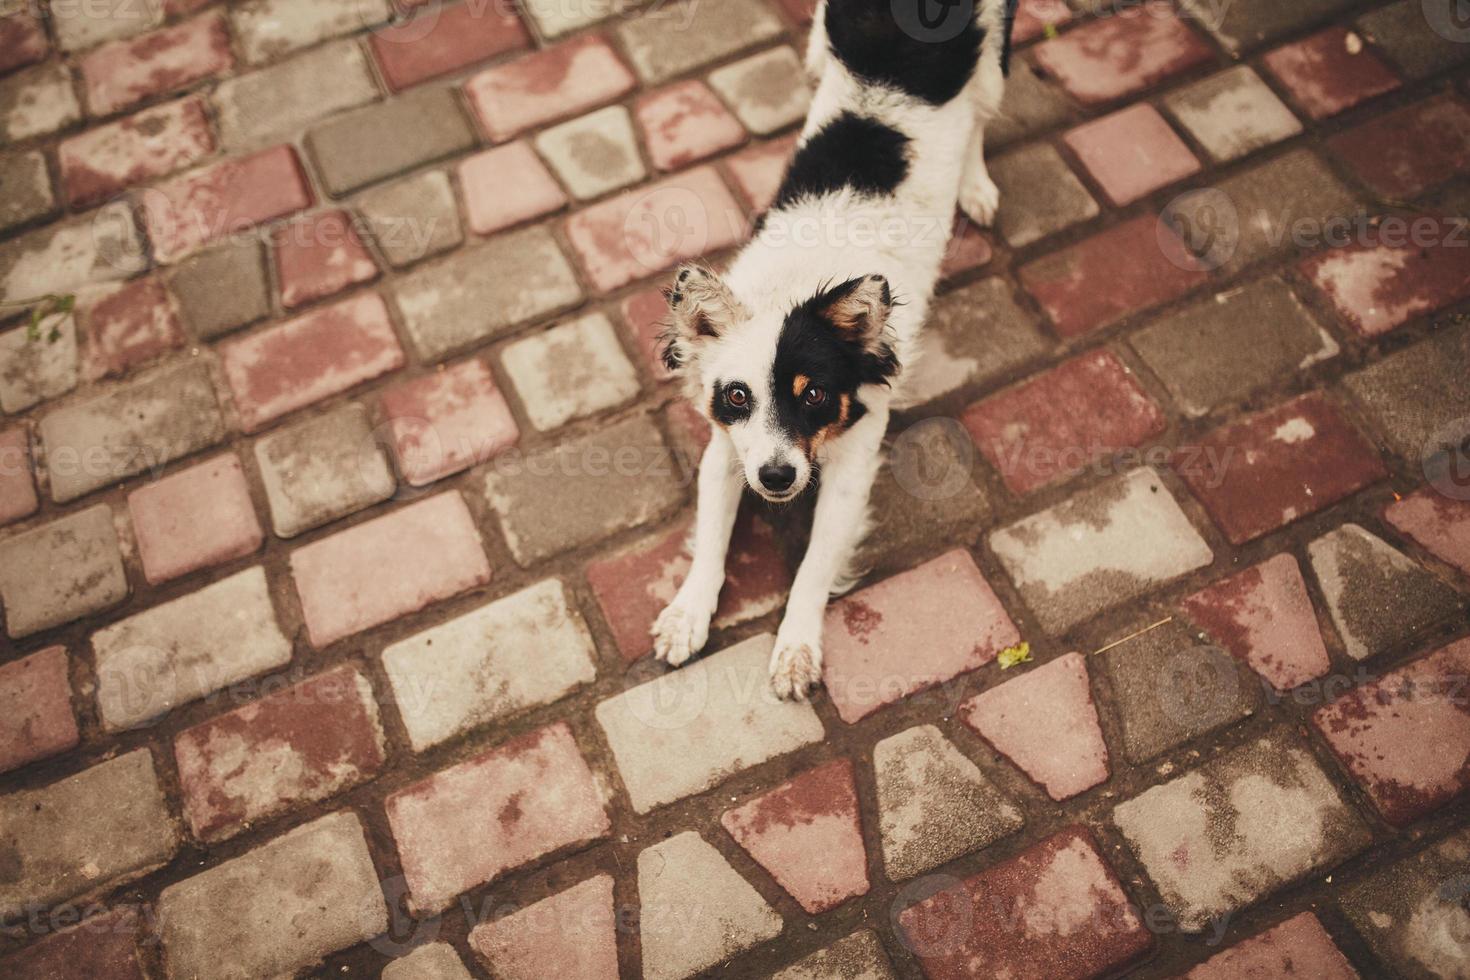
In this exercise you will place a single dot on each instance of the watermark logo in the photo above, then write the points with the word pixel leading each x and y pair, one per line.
pixel 665 226
pixel 1445 459
pixel 1199 228
pixel 933 21
pixel 923 469
pixel 1450 19
pixel 1199 687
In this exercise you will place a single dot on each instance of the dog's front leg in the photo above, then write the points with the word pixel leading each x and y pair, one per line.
pixel 682 629
pixel 837 529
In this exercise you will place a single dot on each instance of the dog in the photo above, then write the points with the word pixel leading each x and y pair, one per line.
pixel 796 352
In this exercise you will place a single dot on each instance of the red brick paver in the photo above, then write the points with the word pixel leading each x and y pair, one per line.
pixel 1299 946
pixel 36 718
pixel 153 143
pixel 1132 153
pixel 195 518
pixel 548 85
pixel 448 421
pixel 1438 523
pixel 124 73
pixel 1418 267
pixel 685 123
pixel 445 39
pixel 319 257
pixel 1407 151
pixel 1120 55
pixel 1331 71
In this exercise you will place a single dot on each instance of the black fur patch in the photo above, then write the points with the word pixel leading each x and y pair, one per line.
pixel 850 151
pixel 725 413
pixel 925 48
pixel 1005 52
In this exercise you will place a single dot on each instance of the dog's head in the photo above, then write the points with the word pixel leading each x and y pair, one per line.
pixel 781 384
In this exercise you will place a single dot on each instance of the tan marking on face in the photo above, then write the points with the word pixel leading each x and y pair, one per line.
pixel 828 431
pixel 799 383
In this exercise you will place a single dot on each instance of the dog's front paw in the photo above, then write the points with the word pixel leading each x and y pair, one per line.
pixel 980 199
pixel 796 668
pixel 679 632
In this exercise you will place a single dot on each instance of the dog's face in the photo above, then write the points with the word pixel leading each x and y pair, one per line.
pixel 780 385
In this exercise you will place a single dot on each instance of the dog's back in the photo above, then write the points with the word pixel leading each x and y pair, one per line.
pixel 924 49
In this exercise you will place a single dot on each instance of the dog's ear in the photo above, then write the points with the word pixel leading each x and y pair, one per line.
pixel 701 308
pixel 859 309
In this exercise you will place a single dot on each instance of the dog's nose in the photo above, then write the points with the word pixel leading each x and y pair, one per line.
pixel 777 479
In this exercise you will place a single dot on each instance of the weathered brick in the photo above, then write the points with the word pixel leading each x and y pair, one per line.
pixel 572 932
pixel 187 648
pixel 934 804
pixel 547 85
pixel 1223 348
pixel 1438 523
pixel 1298 945
pixel 63 257
pixel 1033 17
pixel 466 825
pixel 626 238
pixel 36 718
pixel 322 469
pixel 634 586
pixel 859 956
pixel 620 476
pixel 368 145
pixel 923 627
pixel 1120 55
pixel 1417 396
pixel 63 844
pixel 806 834
pixel 276 371
pixel 687 731
pixel 188 212
pixel 1055 424
pixel 1418 46
pixel 1238 828
pixel 1039 195
pixel 593 154
pixel 267 29
pixel 35 369
pixel 195 518
pixel 1330 71
pixel 767 91
pixel 477 294
pixel 678 37
pixel 570 371
pixel 1379 598
pixel 17 484
pixel 81 25
pixel 1376 287
pixel 28 194
pixel 103 162
pixel 1240 26
pixel 443 40
pixel 83 572
pixel 22 40
pixel 339 579
pixel 278 102
pixel 757 170
pixel 643 314
pixel 1403 153
pixel 304 744
pixel 1266 470
pixel 37 102
pixel 527 649
pixel 431 961
pixel 1055 910
pixel 104 946
pixel 1067 756
pixel 124 73
pixel 1233 114
pixel 684 123
pixel 975 335
pixel 320 256
pixel 126 325
pixel 277 909
pixel 448 421
pixel 1101 547
pixel 1130 267
pixel 506 186
pixel 1264 617
pixel 413 218
pixel 1412 913
pixel 222 289
pixel 1131 153
pixel 1033 103
pixel 696 910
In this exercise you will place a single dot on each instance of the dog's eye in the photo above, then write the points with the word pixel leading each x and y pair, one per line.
pixel 737 396
pixel 814 397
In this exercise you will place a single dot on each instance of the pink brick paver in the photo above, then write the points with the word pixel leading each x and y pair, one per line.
pixel 1438 523
pixel 917 629
pixel 685 123
pixel 643 315
pixel 22 41
pixel 468 824
pixel 1055 911
pixel 1121 54
pixel 1033 17
pixel 103 162
pixel 757 170
pixel 1405 152
pixel 300 745
pixel 550 84
pixel 432 546
pixel 1418 265
pixel 447 421
pixel 104 947
pixel 1272 468
pixel 1264 617
pixel 572 934
pixel 289 366
pixel 126 326
pixel 1067 755
pixel 195 518
pixel 806 833
pixel 1053 425
pixel 1131 153
pixel 1330 71
pixel 647 230
pixel 1297 947
pixel 36 718
pixel 633 587
pixel 1405 737
pixel 444 40
pixel 17 486
pixel 124 73
pixel 505 186
pixel 320 256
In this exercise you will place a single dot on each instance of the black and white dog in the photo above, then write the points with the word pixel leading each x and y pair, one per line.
pixel 794 354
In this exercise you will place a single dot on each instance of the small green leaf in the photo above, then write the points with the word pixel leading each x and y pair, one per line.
pixel 1050 30
pixel 1018 654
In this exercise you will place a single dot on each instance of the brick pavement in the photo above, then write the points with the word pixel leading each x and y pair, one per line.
pixel 334 514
